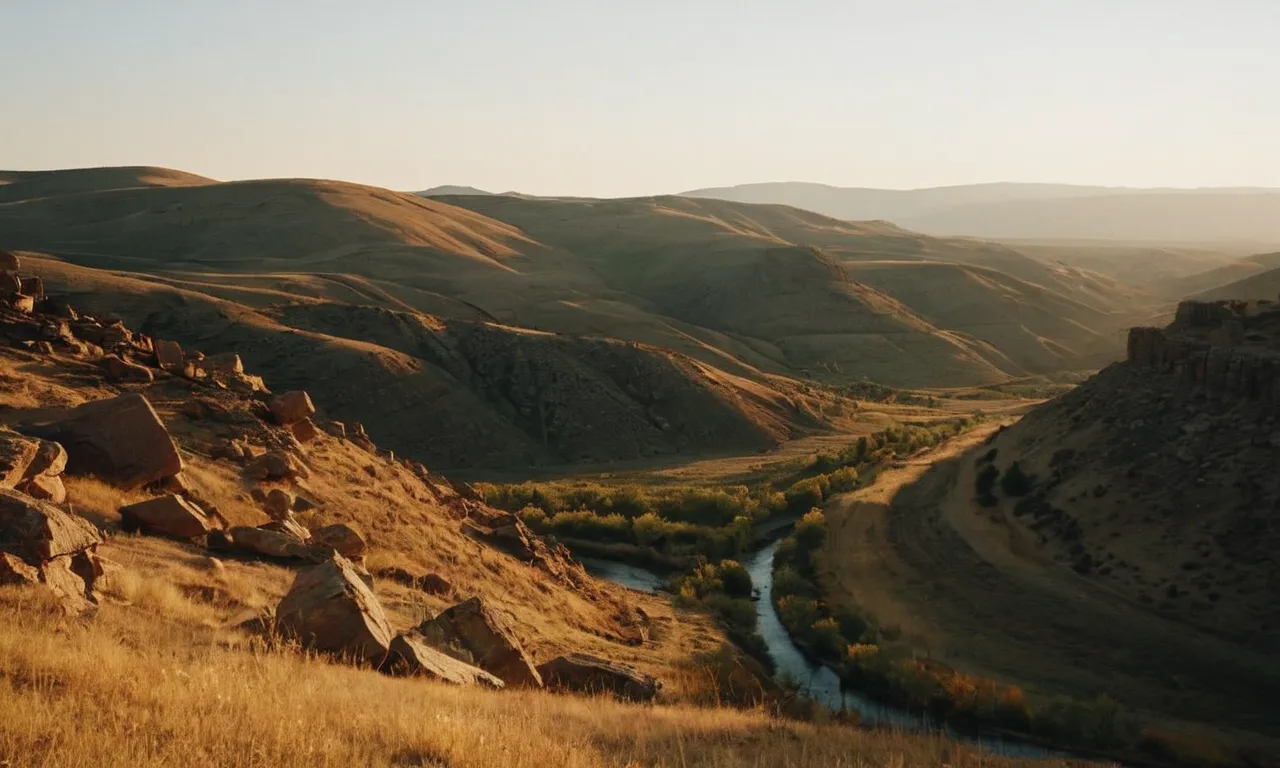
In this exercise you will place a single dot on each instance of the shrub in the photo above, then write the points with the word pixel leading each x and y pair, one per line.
pixel 811 531
pixel 797 612
pixel 736 580
pixel 787 581
pixel 825 638
pixel 1015 482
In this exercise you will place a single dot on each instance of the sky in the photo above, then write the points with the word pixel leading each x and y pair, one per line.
pixel 613 98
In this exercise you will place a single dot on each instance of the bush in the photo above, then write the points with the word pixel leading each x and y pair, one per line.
pixel 736 580
pixel 811 532
pixel 1015 482
pixel 787 581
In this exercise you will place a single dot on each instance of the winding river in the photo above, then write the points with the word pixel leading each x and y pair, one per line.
pixel 817 681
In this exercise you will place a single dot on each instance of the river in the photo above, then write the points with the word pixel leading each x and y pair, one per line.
pixel 816 681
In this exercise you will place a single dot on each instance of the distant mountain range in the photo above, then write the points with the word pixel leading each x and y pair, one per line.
pixel 1049 211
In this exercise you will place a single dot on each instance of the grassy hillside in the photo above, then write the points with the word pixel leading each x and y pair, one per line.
pixel 1233 276
pixel 461 393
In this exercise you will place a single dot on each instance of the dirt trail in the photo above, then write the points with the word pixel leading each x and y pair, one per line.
pixel 969 587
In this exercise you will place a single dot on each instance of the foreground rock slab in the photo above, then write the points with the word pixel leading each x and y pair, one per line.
pixel 120 440
pixel 330 609
pixel 412 655
pixel 582 673
pixel 472 631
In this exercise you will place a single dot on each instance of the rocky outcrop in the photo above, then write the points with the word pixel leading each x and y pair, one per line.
pixel 170 516
pixel 472 631
pixel 330 609
pixel 1225 349
pixel 412 655
pixel 508 533
pixel 582 673
pixel 41 544
pixel 120 440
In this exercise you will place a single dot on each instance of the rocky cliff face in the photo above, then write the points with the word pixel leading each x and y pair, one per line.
pixel 1158 476
pixel 1224 348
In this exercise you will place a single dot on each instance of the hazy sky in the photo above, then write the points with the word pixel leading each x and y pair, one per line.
pixel 617 98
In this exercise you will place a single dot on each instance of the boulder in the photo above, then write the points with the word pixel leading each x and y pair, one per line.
pixel 33 287
pixel 329 608
pixel 590 674
pixel 228 363
pixel 276 544
pixel 47 487
pixel 9 261
pixel 119 369
pixel 10 284
pixel 473 632
pixel 278 503
pixel 291 407
pixel 411 655
pixel 290 525
pixel 169 356
pixel 342 538
pixel 171 516
pixel 16 455
pixel 275 466
pixel 16 571
pixel 37 531
pixel 24 304
pixel 304 431
pixel 120 440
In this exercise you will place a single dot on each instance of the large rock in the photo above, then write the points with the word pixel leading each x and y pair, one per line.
pixel 120 440
pixel 169 356
pixel 473 632
pixel 171 516
pixel 342 538
pixel 9 261
pixel 228 363
pixel 33 287
pixel 15 570
pixel 38 531
pixel 119 369
pixel 304 431
pixel 276 466
pixel 10 284
pixel 277 544
pixel 590 674
pixel 16 454
pixel 329 608
pixel 411 655
pixel 278 503
pixel 291 407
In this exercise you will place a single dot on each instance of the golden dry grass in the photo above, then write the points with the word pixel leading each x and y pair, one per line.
pixel 141 686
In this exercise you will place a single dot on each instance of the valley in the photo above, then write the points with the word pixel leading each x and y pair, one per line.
pixel 676 389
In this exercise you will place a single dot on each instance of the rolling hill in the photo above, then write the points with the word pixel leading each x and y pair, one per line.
pixel 1043 211
pixel 477 313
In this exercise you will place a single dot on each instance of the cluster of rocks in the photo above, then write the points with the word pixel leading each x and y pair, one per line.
pixel 332 608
